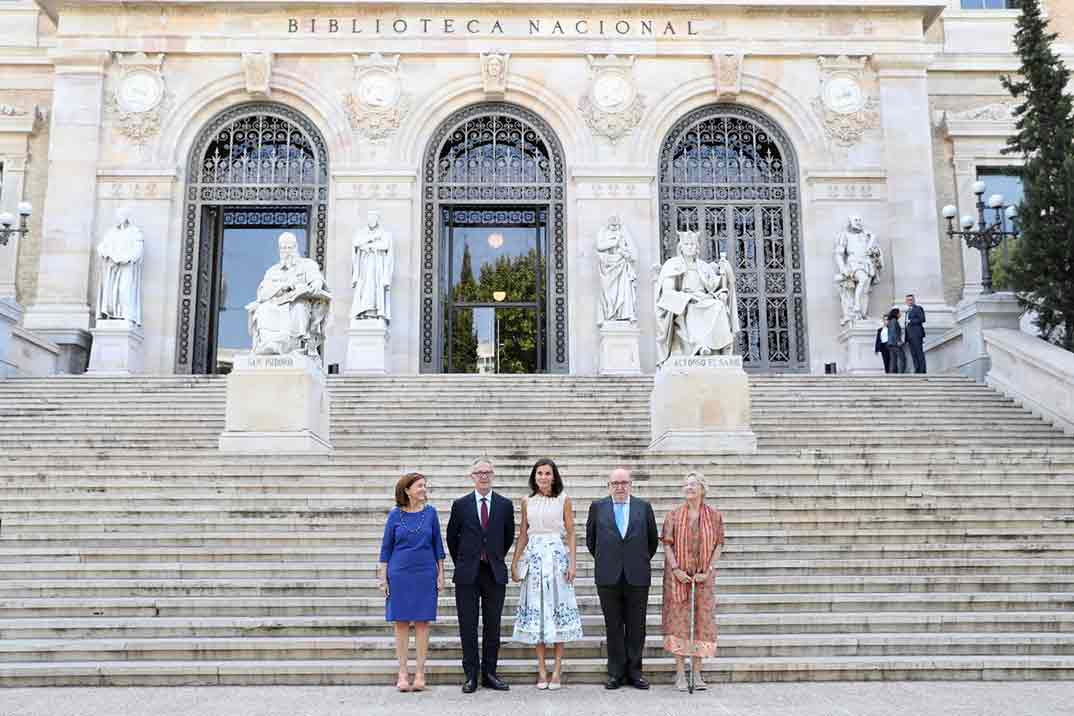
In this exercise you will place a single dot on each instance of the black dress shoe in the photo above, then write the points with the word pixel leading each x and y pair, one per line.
pixel 613 683
pixel 470 686
pixel 639 682
pixel 491 681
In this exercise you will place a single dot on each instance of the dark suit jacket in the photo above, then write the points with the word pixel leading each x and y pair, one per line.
pixel 915 323
pixel 466 539
pixel 616 556
pixel 879 346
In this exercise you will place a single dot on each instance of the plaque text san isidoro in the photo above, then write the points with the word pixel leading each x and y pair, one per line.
pixel 508 27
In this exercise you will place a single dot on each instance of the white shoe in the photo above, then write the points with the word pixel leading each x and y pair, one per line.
pixel 680 682
pixel 554 686
pixel 699 683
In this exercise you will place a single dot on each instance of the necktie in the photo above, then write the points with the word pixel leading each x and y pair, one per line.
pixel 484 523
pixel 620 518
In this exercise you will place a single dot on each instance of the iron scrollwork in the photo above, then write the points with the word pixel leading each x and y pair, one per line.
pixel 730 173
pixel 489 154
pixel 257 154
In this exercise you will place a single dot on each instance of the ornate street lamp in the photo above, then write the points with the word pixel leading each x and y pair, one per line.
pixel 984 236
pixel 7 220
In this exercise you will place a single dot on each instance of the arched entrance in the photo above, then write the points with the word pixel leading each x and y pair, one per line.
pixel 730 173
pixel 255 170
pixel 494 245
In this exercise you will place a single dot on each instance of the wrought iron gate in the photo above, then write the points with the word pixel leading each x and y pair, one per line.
pixel 493 156
pixel 730 173
pixel 253 155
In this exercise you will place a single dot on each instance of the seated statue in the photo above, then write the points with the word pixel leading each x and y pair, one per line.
pixel 292 305
pixel 696 307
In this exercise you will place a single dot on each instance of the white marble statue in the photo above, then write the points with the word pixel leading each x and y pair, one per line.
pixel 858 261
pixel 119 294
pixel 696 304
pixel 617 260
pixel 292 305
pixel 372 264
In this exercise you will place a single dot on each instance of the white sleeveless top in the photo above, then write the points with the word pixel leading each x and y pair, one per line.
pixel 545 514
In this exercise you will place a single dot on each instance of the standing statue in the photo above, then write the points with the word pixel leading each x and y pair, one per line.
pixel 372 264
pixel 119 294
pixel 618 275
pixel 696 304
pixel 292 305
pixel 859 262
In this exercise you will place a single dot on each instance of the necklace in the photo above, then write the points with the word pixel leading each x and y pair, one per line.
pixel 421 522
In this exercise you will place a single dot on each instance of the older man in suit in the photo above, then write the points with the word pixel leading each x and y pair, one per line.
pixel 621 535
pixel 479 533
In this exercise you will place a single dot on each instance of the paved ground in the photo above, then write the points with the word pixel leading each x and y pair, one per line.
pixel 1039 698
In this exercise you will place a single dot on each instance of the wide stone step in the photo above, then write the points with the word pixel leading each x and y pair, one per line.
pixel 120 673
pixel 325 587
pixel 759 539
pixel 589 647
pixel 923 602
pixel 446 626
pixel 156 549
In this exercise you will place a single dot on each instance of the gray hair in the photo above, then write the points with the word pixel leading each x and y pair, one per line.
pixel 482 459
pixel 699 479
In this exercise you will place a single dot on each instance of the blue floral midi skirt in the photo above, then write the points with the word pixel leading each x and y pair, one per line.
pixel 547 608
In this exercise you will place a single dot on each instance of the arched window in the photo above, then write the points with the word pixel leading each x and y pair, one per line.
pixel 494 260
pixel 255 167
pixel 730 173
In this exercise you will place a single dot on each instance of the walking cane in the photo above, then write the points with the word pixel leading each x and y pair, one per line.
pixel 690 663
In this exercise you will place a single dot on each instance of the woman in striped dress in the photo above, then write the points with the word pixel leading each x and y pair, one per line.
pixel 693 540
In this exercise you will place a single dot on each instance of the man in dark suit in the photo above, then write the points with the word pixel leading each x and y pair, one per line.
pixel 479 533
pixel 621 535
pixel 915 332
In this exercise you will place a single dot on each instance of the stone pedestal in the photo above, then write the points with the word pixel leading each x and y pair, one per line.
pixel 276 404
pixel 10 315
pixel 977 314
pixel 367 347
pixel 619 352
pixel 701 405
pixel 858 341
pixel 116 348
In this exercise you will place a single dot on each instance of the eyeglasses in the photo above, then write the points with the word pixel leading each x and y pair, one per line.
pixel 482 473
pixel 620 483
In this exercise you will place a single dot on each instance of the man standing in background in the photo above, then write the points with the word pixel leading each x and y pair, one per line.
pixel 915 332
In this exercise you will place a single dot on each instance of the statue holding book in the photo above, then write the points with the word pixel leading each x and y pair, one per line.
pixel 696 306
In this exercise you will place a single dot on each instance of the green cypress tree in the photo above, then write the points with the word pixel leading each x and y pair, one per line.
pixel 1042 269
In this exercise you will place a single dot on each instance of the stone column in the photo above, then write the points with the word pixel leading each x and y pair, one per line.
pixel 965 178
pixel 911 184
pixel 62 309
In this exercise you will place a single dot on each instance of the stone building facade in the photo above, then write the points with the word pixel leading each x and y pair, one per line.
pixel 763 125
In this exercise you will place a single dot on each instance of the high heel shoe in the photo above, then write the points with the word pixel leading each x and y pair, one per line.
pixel 419 683
pixel 403 683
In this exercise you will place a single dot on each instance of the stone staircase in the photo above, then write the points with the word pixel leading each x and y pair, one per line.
pixel 902 527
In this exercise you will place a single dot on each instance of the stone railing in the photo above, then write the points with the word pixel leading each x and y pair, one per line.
pixel 1037 374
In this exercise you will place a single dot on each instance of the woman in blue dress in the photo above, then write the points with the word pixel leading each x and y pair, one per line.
pixel 411 573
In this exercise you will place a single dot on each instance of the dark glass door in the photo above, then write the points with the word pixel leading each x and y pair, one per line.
pixel 494 269
pixel 247 247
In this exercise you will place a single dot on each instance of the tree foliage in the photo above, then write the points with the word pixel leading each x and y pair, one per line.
pixel 517 328
pixel 1041 271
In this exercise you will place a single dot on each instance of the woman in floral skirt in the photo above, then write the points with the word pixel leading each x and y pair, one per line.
pixel 545 565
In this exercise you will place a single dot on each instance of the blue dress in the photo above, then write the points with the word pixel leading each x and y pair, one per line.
pixel 411 548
